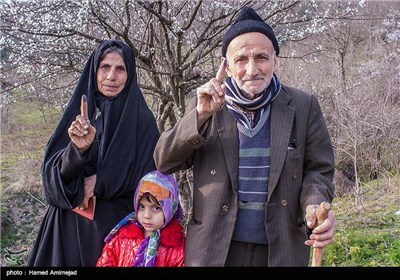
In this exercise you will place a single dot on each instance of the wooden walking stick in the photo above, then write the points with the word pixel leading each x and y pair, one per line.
pixel 321 213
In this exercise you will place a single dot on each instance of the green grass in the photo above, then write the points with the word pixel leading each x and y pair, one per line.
pixel 367 235
pixel 365 247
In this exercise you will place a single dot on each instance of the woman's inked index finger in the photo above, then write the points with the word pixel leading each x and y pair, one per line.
pixel 221 71
pixel 84 107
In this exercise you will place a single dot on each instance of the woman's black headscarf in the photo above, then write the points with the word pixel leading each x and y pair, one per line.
pixel 128 137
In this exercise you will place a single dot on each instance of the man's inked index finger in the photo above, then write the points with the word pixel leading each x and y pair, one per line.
pixel 221 71
pixel 84 107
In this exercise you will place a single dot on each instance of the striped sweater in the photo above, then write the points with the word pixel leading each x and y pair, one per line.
pixel 254 165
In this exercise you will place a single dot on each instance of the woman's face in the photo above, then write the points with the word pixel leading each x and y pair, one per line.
pixel 111 75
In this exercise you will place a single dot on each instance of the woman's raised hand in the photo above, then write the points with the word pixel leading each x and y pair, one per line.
pixel 81 132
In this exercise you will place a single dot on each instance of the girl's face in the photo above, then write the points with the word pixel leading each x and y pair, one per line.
pixel 150 216
pixel 111 75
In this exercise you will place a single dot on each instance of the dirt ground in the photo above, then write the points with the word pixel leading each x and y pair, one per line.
pixel 21 216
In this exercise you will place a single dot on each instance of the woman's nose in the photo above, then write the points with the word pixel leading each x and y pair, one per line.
pixel 111 75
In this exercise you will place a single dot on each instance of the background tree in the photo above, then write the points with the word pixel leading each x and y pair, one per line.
pixel 355 73
pixel 177 43
pixel 363 108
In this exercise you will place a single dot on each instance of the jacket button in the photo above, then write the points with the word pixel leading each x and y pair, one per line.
pixel 213 172
pixel 294 176
pixel 284 202
pixel 225 208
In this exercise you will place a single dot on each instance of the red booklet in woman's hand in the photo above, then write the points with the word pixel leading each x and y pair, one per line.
pixel 88 212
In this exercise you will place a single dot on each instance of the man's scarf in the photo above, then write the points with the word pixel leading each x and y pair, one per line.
pixel 238 104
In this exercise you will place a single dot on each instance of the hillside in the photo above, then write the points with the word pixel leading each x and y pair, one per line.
pixel 367 234
pixel 24 132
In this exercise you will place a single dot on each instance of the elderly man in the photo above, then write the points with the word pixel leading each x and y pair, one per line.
pixel 261 156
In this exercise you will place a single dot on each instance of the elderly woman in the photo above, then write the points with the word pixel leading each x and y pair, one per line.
pixel 100 149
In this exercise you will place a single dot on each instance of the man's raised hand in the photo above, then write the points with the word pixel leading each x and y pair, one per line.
pixel 211 95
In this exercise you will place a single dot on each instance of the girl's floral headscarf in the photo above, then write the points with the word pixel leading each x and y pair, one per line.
pixel 165 189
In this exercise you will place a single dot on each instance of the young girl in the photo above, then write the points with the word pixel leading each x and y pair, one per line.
pixel 153 234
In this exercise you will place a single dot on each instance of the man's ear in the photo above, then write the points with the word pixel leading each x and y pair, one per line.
pixel 276 62
pixel 227 69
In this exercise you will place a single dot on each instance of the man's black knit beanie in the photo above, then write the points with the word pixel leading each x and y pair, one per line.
pixel 248 21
